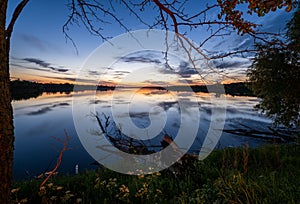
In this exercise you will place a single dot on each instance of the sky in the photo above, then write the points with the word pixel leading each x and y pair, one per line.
pixel 40 52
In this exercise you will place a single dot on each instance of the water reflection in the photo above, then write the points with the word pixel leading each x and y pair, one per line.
pixel 37 120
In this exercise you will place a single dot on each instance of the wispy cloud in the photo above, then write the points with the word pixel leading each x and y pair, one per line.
pixel 38 62
pixel 187 72
pixel 122 72
pixel 38 43
pixel 78 80
pixel 232 62
pixel 141 59
pixel 184 70
pixel 44 64
pixel 93 73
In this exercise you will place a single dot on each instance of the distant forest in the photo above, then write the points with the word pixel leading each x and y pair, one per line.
pixel 21 90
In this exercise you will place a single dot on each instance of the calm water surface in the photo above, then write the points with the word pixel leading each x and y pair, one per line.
pixel 40 124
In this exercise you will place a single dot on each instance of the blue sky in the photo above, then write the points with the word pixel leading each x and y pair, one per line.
pixel 40 52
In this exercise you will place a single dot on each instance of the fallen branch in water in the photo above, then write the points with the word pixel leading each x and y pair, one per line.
pixel 118 140
pixel 59 159
pixel 272 135
pixel 129 145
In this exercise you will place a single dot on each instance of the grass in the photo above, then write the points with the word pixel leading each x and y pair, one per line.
pixel 269 174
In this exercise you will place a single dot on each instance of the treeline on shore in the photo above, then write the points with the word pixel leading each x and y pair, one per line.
pixel 26 89
pixel 21 90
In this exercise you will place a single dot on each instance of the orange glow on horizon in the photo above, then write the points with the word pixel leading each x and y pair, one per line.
pixel 59 80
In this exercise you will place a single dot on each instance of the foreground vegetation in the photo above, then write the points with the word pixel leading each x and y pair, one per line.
pixel 269 174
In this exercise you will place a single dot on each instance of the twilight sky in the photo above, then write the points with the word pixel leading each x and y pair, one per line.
pixel 40 52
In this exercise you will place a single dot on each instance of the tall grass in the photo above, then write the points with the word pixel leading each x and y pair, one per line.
pixel 269 174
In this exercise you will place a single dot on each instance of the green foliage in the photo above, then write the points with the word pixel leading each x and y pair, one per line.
pixel 269 174
pixel 293 32
pixel 275 74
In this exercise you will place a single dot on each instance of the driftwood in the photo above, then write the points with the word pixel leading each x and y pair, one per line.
pixel 118 140
pixel 273 135
pixel 132 146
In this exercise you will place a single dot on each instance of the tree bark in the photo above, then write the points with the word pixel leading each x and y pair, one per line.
pixel 6 114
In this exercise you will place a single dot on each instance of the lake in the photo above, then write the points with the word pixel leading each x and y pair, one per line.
pixel 40 123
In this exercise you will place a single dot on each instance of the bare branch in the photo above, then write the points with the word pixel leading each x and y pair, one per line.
pixel 169 12
pixel 201 12
pixel 59 159
pixel 233 53
pixel 214 35
pixel 14 18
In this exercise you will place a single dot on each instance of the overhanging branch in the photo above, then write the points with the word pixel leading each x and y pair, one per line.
pixel 15 16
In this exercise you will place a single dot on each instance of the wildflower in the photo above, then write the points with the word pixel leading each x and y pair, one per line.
pixel 40 176
pixel 124 189
pixel 158 191
pixel 59 188
pixel 24 200
pixel 50 185
pixel 53 198
pixel 42 188
pixel 15 190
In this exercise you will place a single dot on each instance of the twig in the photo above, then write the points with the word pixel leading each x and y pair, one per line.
pixel 59 160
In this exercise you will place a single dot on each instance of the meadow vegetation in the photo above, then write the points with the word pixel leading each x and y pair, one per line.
pixel 268 174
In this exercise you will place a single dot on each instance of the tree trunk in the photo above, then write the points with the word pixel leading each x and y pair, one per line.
pixel 6 114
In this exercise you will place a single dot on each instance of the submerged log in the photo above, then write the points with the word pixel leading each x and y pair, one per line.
pixel 274 136
pixel 126 144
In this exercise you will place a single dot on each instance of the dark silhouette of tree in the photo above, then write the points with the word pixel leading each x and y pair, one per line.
pixel 6 114
pixel 275 74
pixel 95 15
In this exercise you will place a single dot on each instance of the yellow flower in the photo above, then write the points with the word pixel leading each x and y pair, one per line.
pixel 50 185
pixel 15 190
pixel 53 198
pixel 124 189
pixel 158 191
pixel 43 188
pixel 24 200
